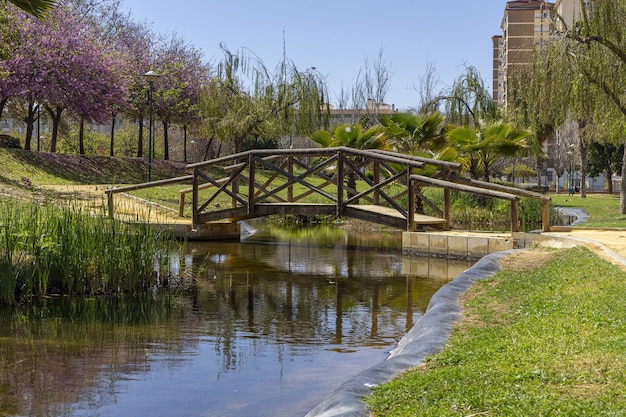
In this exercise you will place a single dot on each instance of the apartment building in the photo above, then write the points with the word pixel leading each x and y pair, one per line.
pixel 569 11
pixel 525 24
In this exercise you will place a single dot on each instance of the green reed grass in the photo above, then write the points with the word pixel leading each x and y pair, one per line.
pixel 49 249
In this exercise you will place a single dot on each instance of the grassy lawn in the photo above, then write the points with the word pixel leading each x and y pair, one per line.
pixel 546 336
pixel 603 209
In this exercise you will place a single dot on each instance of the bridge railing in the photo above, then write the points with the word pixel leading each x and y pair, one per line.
pixel 328 181
pixel 306 181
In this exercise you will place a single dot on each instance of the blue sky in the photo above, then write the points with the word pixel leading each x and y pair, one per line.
pixel 337 36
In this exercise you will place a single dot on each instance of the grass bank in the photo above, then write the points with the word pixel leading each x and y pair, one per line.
pixel 603 209
pixel 545 336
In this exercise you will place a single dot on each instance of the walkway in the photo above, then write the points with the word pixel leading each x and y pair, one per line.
pixel 610 244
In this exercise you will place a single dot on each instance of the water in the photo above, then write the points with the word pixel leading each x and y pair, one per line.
pixel 275 324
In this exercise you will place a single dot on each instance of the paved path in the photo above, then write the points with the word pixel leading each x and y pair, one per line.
pixel 610 244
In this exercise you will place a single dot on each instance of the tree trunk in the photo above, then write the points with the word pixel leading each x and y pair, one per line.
pixel 140 138
pixel 583 160
pixel 55 115
pixel 30 122
pixel 166 141
pixel 185 143
pixel 622 193
pixel 3 103
pixel 112 147
pixel 81 137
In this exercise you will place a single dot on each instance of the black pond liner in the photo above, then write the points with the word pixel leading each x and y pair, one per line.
pixel 427 337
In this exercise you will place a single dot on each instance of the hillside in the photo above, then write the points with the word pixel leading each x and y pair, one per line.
pixel 23 171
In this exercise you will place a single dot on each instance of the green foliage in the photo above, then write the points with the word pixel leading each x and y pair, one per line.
pixel 260 143
pixel 482 145
pixel 7 141
pixel 520 171
pixel 604 158
pixel 352 136
pixel 540 341
pixel 67 250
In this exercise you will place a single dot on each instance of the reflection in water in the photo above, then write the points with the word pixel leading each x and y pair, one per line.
pixel 273 326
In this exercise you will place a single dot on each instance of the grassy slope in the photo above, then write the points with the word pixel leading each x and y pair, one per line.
pixel 21 170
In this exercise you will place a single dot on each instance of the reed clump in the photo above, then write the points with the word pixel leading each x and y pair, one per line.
pixel 47 249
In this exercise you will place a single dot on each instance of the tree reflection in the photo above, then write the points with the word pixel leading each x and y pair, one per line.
pixel 251 301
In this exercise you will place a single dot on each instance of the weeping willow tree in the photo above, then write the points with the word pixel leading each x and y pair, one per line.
pixel 596 45
pixel 469 102
pixel 245 101
pixel 480 137
pixel 538 97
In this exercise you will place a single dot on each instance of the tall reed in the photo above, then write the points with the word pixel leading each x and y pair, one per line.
pixel 47 249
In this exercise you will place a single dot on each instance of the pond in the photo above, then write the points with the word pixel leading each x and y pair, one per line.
pixel 274 325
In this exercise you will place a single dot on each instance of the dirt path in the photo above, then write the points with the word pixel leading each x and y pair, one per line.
pixel 127 207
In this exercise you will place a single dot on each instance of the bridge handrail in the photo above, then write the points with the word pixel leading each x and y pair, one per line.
pixel 134 187
pixel 499 187
pixel 453 166
pixel 415 162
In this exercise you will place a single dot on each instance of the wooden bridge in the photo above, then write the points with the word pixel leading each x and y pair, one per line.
pixel 371 185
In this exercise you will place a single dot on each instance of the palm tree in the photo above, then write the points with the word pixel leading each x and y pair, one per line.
pixel 37 8
pixel 482 146
pixel 415 134
pixel 352 136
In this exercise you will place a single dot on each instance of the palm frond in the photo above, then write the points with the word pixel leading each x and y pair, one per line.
pixel 37 8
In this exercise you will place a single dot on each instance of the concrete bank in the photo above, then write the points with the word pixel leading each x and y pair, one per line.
pixel 427 337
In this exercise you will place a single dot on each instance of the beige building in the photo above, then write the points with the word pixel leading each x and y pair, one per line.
pixel 569 11
pixel 351 116
pixel 525 24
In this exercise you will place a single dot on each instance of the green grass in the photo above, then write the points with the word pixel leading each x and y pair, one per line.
pixel 603 209
pixel 546 341
pixel 47 168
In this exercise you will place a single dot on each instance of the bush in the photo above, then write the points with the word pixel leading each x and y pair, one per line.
pixel 7 141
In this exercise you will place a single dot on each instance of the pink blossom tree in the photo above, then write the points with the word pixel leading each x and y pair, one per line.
pixel 182 73
pixel 61 63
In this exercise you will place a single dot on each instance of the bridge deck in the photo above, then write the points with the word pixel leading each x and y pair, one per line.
pixel 377 214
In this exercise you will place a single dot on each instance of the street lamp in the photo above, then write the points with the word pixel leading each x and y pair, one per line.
pixel 151 77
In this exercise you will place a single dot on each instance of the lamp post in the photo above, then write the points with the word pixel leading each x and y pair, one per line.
pixel 151 77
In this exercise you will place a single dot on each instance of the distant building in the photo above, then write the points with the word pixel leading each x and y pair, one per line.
pixel 570 11
pixel 351 116
pixel 525 24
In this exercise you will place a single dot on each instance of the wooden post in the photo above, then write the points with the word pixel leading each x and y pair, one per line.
pixel 251 181
pixel 545 215
pixel 339 178
pixel 181 205
pixel 110 203
pixel 290 170
pixel 410 221
pixel 376 181
pixel 235 188
pixel 195 215
pixel 447 211
pixel 514 216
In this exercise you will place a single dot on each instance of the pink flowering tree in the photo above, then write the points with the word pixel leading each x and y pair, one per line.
pixel 182 73
pixel 61 64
